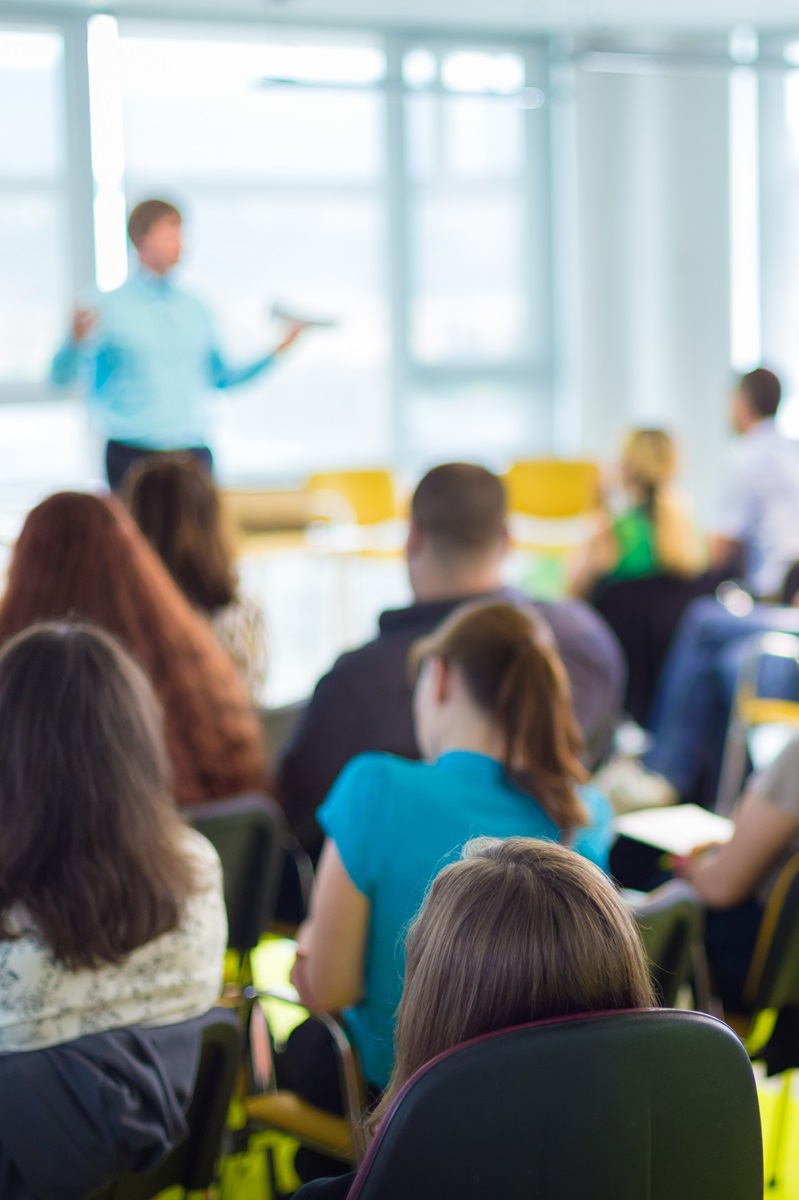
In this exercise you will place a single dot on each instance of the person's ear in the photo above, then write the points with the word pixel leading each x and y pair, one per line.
pixel 504 541
pixel 414 541
pixel 441 680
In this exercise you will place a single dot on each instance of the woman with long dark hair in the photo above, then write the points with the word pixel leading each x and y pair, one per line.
pixel 111 910
pixel 81 556
pixel 176 505
pixel 501 747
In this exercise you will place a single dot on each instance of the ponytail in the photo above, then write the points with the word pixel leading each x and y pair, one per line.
pixel 650 457
pixel 542 737
pixel 512 671
pixel 677 547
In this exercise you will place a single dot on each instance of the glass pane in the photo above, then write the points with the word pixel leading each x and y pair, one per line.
pixel 31 104
pixel 467 305
pixel 478 71
pixel 481 420
pixel 43 447
pixel 208 108
pixel 34 297
pixel 464 137
pixel 317 254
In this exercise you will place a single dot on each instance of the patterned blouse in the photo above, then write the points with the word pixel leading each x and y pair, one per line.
pixel 173 978
pixel 240 629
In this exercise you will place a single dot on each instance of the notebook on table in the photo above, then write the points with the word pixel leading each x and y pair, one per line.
pixel 677 830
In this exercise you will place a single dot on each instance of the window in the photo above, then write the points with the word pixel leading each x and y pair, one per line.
pixel 281 149
pixel 477 354
pixel 274 148
pixel 34 284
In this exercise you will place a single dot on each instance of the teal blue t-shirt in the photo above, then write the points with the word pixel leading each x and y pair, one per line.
pixel 396 823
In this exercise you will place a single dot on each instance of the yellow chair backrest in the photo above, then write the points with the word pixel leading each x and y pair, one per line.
pixel 552 487
pixel 768 710
pixel 369 495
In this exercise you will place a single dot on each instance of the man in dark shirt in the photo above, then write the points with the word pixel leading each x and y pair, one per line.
pixel 456 544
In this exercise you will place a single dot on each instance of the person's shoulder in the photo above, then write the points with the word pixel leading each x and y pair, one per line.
pixel 358 667
pixel 365 777
pixel 574 621
pixel 374 767
pixel 596 803
pixel 203 856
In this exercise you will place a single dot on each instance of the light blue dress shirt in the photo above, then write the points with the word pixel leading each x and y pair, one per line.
pixel 396 823
pixel 150 364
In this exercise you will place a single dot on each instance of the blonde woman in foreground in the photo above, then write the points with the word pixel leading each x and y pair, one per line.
pixel 653 532
pixel 519 930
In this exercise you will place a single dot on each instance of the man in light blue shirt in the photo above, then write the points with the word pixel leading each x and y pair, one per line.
pixel 148 353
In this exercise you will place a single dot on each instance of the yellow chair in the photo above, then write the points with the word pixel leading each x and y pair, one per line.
pixel 553 488
pixel 363 497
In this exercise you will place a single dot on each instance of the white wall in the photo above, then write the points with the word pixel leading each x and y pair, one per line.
pixel 652 227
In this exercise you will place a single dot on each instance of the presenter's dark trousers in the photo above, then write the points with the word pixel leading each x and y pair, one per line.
pixel 121 455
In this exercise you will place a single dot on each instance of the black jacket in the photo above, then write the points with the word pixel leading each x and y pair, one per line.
pixel 76 1115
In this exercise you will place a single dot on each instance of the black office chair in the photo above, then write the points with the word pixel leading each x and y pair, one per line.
pixel 650 1105
pixel 249 835
pixel 670 920
pixel 644 614
pixel 192 1164
pixel 294 895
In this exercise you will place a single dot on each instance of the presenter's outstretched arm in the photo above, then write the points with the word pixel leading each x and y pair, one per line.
pixel 223 376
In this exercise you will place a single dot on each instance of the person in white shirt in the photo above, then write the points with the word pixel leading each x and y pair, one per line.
pixel 759 523
pixel 759 513
pixel 111 910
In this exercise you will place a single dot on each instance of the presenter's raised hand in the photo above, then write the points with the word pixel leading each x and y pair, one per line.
pixel 293 331
pixel 84 322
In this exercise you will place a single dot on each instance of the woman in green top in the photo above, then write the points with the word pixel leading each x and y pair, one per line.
pixel 653 532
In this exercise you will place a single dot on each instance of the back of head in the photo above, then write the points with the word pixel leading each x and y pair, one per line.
pixel 76 553
pixel 81 556
pixel 95 857
pixel 176 506
pixel 762 390
pixel 460 508
pixel 519 930
pixel 507 659
pixel 650 456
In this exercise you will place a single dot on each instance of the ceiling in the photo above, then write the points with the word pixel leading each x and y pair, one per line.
pixel 489 16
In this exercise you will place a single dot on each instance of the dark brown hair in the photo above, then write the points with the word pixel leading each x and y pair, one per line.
pixel 763 390
pixel 176 506
pixel 508 661
pixel 460 507
pixel 519 930
pixel 145 215
pixel 91 842
pixel 82 556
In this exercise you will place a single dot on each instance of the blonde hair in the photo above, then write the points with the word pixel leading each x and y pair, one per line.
pixel 652 459
pixel 512 671
pixel 518 930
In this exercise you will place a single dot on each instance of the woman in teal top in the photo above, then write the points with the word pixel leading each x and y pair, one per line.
pixel 500 744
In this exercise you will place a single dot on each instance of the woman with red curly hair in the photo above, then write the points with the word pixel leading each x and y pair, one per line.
pixel 81 556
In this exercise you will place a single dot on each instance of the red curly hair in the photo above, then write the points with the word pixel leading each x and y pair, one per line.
pixel 81 556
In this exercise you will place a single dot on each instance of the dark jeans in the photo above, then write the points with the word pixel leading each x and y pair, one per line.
pixel 121 455
pixel 697 687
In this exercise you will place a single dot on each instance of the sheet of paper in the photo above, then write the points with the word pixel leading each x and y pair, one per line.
pixel 677 830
